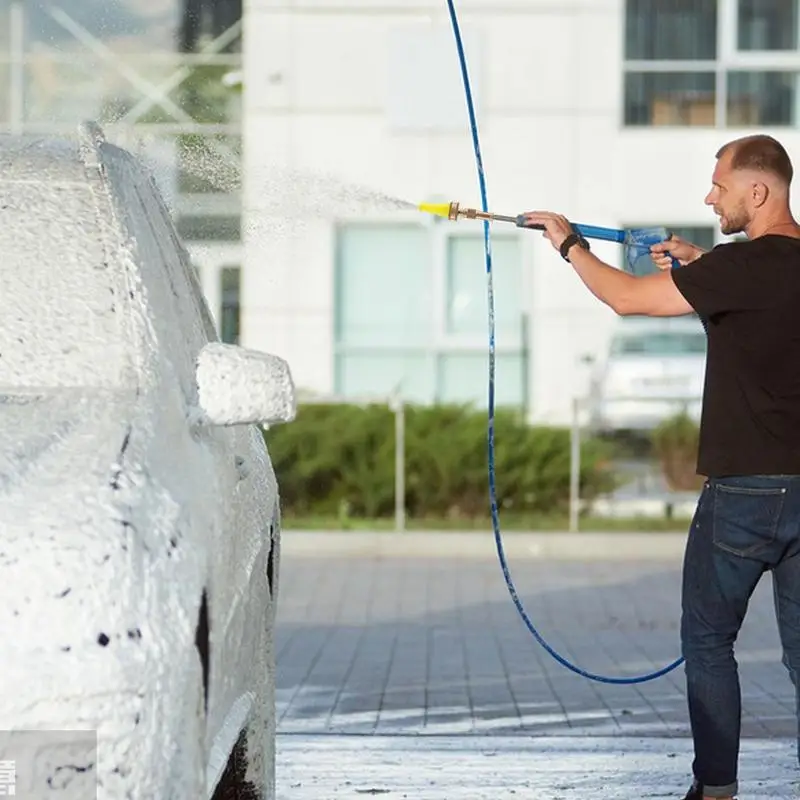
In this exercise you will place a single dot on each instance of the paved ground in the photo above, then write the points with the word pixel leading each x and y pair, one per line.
pixel 478 768
pixel 423 645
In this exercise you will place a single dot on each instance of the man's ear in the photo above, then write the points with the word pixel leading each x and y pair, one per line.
pixel 760 193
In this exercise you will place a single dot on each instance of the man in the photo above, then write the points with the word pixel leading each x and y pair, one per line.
pixel 748 515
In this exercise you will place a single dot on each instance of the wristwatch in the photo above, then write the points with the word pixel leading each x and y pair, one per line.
pixel 573 238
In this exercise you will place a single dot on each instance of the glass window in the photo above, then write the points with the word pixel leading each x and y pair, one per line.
pixel 200 228
pixel 767 25
pixel 762 98
pixel 670 98
pixel 208 19
pixel 384 286
pixel 208 163
pixel 668 30
pixel 660 343
pixel 184 24
pixel 464 378
pixel 380 374
pixel 230 308
pixel 665 31
pixel 467 300
pixel 386 339
pixel 701 235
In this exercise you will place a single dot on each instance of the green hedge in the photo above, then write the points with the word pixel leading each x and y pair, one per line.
pixel 341 457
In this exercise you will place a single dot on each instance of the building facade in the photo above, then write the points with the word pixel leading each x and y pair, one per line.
pixel 609 111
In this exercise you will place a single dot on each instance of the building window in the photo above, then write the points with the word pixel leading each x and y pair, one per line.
pixel 209 228
pixel 411 316
pixel 721 63
pixel 767 25
pixel 702 235
pixel 230 305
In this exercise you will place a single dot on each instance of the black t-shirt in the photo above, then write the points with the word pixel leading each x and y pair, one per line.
pixel 750 293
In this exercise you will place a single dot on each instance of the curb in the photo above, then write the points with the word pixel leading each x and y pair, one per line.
pixel 585 546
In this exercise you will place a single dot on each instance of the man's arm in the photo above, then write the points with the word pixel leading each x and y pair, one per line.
pixel 654 295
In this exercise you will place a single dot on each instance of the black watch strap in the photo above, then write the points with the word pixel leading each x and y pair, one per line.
pixel 573 238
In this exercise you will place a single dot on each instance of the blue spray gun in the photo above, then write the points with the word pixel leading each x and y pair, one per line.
pixel 636 241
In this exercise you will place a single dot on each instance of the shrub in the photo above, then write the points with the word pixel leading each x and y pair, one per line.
pixel 334 457
pixel 675 442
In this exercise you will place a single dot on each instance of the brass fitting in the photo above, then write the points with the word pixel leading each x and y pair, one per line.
pixel 470 213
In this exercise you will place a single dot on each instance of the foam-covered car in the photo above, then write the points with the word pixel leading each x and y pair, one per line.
pixel 139 511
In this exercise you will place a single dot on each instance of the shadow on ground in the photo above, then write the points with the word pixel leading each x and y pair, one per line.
pixel 435 646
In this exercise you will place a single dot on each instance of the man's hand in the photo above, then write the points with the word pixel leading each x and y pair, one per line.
pixel 556 227
pixel 685 252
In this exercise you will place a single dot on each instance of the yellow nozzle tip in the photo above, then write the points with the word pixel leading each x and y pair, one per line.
pixel 439 209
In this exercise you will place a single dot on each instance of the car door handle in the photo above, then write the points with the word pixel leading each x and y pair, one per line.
pixel 241 467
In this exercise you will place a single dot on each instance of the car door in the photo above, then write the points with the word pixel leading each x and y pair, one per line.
pixel 250 496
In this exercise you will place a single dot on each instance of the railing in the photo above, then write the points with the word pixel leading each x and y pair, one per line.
pixel 397 405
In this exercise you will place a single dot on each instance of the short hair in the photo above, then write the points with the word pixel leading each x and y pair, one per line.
pixel 761 153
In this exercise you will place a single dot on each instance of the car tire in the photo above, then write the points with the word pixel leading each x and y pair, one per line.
pixel 250 771
pixel 233 785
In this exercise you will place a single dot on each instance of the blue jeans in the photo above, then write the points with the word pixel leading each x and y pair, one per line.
pixel 743 527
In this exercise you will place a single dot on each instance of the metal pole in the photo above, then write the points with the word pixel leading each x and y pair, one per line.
pixel 17 72
pixel 574 467
pixel 399 463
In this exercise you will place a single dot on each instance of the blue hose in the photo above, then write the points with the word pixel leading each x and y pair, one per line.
pixel 492 483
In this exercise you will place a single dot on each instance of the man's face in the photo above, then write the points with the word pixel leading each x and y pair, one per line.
pixel 729 195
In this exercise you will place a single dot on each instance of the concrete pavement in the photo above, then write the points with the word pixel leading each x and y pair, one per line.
pixel 407 646
pixel 451 768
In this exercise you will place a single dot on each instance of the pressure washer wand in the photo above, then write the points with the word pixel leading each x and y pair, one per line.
pixel 454 211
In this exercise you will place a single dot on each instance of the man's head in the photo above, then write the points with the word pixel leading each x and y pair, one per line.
pixel 751 181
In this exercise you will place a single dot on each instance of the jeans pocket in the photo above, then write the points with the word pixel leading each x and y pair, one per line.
pixel 746 517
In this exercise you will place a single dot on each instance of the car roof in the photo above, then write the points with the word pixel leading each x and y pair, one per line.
pixel 45 160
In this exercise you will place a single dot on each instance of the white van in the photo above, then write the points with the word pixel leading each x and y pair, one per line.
pixel 654 368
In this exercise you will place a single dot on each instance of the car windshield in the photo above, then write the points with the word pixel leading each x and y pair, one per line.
pixel 662 343
pixel 61 303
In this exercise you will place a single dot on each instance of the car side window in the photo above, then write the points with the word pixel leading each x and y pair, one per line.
pixel 189 326
pixel 186 272
pixel 163 292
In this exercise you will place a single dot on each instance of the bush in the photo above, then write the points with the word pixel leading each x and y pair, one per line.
pixel 675 442
pixel 341 457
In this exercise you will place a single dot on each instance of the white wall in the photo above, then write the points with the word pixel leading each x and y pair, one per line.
pixel 549 75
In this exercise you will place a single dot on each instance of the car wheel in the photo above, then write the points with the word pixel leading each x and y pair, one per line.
pixel 250 771
pixel 233 785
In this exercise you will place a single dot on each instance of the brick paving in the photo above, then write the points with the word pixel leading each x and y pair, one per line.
pixel 421 645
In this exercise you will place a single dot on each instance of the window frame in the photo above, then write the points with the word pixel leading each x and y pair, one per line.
pixel 442 343
pixel 729 59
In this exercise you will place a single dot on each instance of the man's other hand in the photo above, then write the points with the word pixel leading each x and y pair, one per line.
pixel 675 247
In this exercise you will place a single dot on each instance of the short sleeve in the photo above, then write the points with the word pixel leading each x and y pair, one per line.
pixel 723 280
